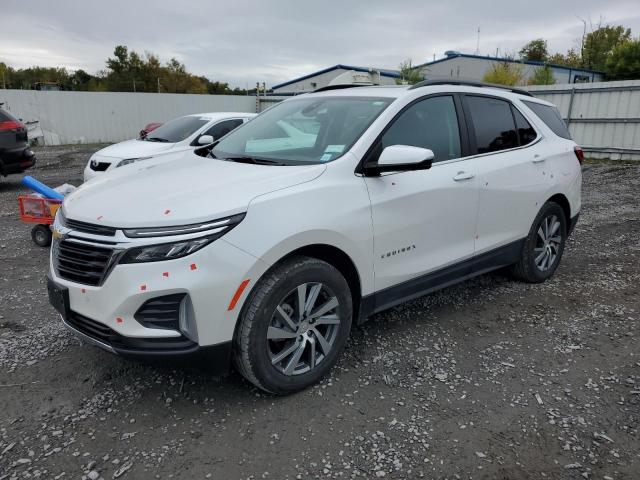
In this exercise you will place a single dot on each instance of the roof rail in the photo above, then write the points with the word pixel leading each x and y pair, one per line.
pixel 341 86
pixel 470 83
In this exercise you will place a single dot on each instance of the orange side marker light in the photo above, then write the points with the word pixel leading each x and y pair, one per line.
pixel 193 266
pixel 238 294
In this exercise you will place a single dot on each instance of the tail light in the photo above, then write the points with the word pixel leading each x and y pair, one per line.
pixel 579 154
pixel 9 125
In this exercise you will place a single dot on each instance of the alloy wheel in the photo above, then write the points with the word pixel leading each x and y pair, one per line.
pixel 548 243
pixel 303 329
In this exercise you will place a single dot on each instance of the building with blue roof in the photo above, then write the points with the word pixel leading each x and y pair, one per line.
pixel 456 65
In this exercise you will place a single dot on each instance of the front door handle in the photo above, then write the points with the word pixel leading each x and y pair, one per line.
pixel 463 176
pixel 538 159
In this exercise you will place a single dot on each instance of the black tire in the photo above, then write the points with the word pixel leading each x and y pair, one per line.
pixel 253 352
pixel 41 235
pixel 527 269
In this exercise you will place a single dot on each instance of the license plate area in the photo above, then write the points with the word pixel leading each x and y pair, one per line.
pixel 58 297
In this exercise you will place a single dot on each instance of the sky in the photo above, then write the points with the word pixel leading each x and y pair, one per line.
pixel 245 41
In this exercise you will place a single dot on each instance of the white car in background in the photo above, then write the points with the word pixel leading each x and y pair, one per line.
pixel 178 135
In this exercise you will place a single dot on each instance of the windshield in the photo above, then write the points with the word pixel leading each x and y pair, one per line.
pixel 303 131
pixel 176 130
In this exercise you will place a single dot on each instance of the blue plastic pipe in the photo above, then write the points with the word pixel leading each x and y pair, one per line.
pixel 41 188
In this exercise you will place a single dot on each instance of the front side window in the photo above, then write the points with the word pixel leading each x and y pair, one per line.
pixel 304 130
pixel 176 130
pixel 431 123
pixel 493 124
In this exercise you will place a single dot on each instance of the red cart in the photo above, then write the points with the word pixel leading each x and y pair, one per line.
pixel 40 211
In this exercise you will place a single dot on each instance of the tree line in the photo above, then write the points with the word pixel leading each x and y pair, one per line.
pixel 126 71
pixel 609 49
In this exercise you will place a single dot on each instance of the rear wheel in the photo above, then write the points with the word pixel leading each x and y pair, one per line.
pixel 543 246
pixel 294 326
pixel 41 235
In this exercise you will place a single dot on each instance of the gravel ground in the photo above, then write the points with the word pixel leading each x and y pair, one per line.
pixel 488 379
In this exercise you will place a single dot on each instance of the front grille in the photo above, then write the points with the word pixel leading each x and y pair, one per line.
pixel 161 312
pixel 90 228
pixel 106 335
pixel 99 166
pixel 82 263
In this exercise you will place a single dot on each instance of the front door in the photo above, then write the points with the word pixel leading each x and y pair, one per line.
pixel 423 221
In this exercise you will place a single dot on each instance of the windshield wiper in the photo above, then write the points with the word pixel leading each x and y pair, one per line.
pixel 253 160
pixel 157 139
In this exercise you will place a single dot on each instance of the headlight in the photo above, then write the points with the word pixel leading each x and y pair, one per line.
pixel 212 230
pixel 127 161
pixel 165 251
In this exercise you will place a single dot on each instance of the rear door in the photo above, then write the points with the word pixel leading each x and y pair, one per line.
pixel 512 177
pixel 424 220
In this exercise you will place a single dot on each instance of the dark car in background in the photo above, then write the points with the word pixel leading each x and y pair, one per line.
pixel 15 154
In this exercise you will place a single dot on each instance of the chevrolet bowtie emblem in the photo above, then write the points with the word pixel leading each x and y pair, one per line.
pixel 57 234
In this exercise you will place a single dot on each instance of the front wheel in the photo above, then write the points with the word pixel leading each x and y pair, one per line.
pixel 544 245
pixel 294 326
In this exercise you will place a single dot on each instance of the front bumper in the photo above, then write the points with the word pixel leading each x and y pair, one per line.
pixel 217 357
pixel 105 315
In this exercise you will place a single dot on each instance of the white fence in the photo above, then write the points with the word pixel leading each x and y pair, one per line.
pixel 59 118
pixel 603 117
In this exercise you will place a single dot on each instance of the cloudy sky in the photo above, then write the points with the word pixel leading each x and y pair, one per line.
pixel 244 41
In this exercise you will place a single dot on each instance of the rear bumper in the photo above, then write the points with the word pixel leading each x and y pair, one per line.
pixel 16 161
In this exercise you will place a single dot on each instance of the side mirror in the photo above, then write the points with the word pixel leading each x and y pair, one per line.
pixel 401 158
pixel 205 140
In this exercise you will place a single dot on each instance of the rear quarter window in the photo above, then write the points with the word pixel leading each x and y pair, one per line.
pixel 551 117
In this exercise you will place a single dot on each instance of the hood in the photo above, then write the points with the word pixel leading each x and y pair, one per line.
pixel 190 189
pixel 134 149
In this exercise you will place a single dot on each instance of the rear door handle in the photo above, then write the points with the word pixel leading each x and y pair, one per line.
pixel 463 176
pixel 538 159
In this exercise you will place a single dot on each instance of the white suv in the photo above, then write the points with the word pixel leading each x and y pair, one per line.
pixel 268 257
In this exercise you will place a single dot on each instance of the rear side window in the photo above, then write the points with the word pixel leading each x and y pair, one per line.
pixel 551 117
pixel 176 130
pixel 6 116
pixel 431 123
pixel 493 124
pixel 526 133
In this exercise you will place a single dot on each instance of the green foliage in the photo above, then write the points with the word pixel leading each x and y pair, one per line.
pixel 570 59
pixel 127 71
pixel 409 75
pixel 542 76
pixel 504 73
pixel 624 61
pixel 536 50
pixel 600 43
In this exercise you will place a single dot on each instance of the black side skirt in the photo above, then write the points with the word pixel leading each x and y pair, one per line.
pixel 445 277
